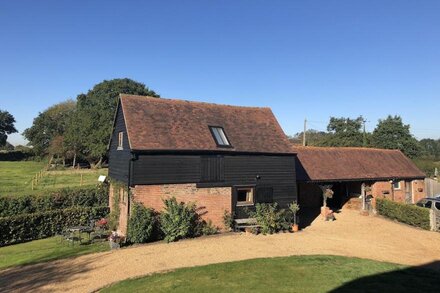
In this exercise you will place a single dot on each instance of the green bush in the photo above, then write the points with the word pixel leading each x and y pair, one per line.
pixel 228 220
pixel 64 198
pixel 21 155
pixel 28 227
pixel 207 228
pixel 178 220
pixel 270 217
pixel 405 213
pixel 142 225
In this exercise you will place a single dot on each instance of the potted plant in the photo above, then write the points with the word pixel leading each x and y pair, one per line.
pixel 294 208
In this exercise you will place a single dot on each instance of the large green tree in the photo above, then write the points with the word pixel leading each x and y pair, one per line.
pixel 430 148
pixel 391 133
pixel 49 124
pixel 95 114
pixel 313 137
pixel 345 132
pixel 6 126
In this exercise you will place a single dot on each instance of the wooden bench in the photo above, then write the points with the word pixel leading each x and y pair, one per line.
pixel 242 224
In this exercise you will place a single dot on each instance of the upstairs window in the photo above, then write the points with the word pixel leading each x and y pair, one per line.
pixel 219 136
pixel 120 140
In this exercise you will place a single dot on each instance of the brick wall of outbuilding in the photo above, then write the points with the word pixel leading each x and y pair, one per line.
pixel 382 189
pixel 211 202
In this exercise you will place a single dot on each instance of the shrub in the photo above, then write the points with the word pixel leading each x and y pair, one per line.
pixel 64 198
pixel 228 220
pixel 178 220
pixel 207 228
pixel 33 226
pixel 142 225
pixel 405 213
pixel 18 155
pixel 270 217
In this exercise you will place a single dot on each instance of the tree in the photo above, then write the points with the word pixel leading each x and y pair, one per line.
pixel 391 133
pixel 6 126
pixel 73 137
pixel 313 137
pixel 345 132
pixel 430 148
pixel 49 124
pixel 96 111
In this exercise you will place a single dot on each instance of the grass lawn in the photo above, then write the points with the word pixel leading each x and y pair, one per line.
pixel 44 250
pixel 16 178
pixel 289 274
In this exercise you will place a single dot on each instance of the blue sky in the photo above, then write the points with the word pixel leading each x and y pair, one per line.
pixel 311 59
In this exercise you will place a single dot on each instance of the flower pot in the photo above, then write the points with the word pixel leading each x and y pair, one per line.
pixel 295 228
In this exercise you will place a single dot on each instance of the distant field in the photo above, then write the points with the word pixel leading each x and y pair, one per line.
pixel 16 178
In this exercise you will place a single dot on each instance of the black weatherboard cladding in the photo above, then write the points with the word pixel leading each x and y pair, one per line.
pixel 119 159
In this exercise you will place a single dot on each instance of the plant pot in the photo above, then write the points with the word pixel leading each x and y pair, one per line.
pixel 295 228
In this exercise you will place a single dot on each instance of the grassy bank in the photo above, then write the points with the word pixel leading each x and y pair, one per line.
pixel 44 250
pixel 16 178
pixel 289 274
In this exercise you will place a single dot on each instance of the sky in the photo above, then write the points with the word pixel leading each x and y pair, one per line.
pixel 303 59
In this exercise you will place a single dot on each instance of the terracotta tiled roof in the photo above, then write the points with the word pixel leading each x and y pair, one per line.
pixel 166 124
pixel 344 163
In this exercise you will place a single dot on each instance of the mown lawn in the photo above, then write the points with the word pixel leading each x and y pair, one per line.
pixel 44 250
pixel 16 178
pixel 289 274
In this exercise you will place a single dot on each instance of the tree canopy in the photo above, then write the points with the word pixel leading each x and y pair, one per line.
pixel 345 132
pixel 93 120
pixel 391 133
pixel 49 124
pixel 7 127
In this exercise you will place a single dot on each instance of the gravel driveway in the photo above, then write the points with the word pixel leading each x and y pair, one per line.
pixel 350 235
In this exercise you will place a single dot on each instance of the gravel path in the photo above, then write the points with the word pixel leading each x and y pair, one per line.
pixel 350 235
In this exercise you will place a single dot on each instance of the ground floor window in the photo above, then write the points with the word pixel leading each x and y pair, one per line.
pixel 245 195
pixel 396 184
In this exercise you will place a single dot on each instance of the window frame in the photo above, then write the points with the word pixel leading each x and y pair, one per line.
pixel 399 185
pixel 120 141
pixel 211 129
pixel 245 203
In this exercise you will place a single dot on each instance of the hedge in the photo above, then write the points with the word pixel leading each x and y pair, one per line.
pixel 61 199
pixel 405 213
pixel 28 227
pixel 16 156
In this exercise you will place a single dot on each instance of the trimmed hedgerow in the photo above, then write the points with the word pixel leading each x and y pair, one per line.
pixel 143 224
pixel 28 227
pixel 405 213
pixel 61 199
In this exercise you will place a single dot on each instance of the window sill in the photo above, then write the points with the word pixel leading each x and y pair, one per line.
pixel 244 204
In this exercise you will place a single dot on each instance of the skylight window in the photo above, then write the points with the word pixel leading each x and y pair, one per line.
pixel 219 136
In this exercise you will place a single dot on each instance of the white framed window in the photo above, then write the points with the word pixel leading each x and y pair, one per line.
pixel 120 140
pixel 396 184
pixel 245 196
pixel 219 136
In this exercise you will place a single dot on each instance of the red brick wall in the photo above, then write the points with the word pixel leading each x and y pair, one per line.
pixel 417 189
pixel 212 202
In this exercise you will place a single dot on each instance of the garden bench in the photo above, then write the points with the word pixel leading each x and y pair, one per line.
pixel 242 224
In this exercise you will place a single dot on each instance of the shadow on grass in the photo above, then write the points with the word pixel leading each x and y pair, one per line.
pixel 425 278
pixel 34 277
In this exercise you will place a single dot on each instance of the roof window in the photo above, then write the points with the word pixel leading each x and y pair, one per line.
pixel 219 136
